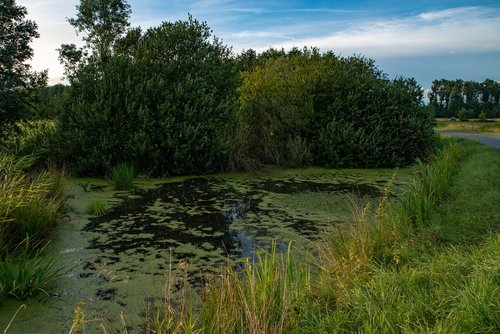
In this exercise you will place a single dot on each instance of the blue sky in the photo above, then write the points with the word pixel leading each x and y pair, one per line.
pixel 422 39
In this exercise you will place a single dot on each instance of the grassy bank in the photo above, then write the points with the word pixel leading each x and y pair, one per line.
pixel 429 264
pixel 491 127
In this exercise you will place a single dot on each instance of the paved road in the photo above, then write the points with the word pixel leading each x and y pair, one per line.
pixel 493 141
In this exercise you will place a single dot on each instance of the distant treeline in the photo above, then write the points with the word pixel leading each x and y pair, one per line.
pixel 447 98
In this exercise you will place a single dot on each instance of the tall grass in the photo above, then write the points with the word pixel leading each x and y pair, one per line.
pixel 122 176
pixel 173 313
pixel 29 205
pixel 262 298
pixel 402 271
pixel 432 183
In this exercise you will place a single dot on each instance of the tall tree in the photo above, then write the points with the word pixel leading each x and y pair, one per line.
pixel 17 80
pixel 103 23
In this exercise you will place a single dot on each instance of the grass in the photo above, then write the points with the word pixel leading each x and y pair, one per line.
pixel 29 205
pixel 259 299
pixel 491 127
pixel 122 176
pixel 436 271
pixel 96 208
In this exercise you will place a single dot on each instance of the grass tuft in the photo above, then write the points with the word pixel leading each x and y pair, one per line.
pixel 25 273
pixel 96 208
pixel 122 176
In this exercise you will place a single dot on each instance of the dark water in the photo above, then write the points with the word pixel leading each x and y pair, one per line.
pixel 120 258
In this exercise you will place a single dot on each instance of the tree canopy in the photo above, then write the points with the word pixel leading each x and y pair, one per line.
pixel 17 80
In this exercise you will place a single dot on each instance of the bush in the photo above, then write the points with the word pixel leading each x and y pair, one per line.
pixel 339 111
pixel 163 103
pixel 482 116
pixel 464 114
pixel 32 137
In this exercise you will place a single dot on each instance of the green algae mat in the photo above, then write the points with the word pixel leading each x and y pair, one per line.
pixel 118 260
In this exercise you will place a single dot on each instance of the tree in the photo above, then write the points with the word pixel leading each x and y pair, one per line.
pixel 163 101
pixel 103 23
pixel 17 81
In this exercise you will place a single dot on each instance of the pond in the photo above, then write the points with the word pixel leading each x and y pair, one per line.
pixel 118 260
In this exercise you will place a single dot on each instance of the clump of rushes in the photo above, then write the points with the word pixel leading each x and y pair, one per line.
pixel 96 208
pixel 29 205
pixel 122 176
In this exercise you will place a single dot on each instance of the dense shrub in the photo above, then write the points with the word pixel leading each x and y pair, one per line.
pixel 29 137
pixel 342 112
pixel 163 103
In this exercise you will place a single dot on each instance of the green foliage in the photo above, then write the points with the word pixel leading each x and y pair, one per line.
pixel 32 137
pixel 274 102
pixel 168 95
pixel 49 101
pixel 122 176
pixel 96 208
pixel 341 112
pixel 17 79
pixel 26 273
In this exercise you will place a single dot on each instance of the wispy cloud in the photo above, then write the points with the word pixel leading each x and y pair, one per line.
pixel 452 13
pixel 469 29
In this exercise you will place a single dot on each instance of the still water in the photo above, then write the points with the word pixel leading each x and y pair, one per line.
pixel 117 261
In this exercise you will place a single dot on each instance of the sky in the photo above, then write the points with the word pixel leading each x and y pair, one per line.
pixel 422 39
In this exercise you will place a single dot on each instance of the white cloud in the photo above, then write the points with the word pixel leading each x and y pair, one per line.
pixel 50 15
pixel 470 29
pixel 448 13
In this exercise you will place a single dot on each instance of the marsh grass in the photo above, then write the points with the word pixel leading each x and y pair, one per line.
pixel 173 312
pixel 96 208
pixel 122 176
pixel 262 298
pixel 29 205
pixel 433 180
pixel 34 219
